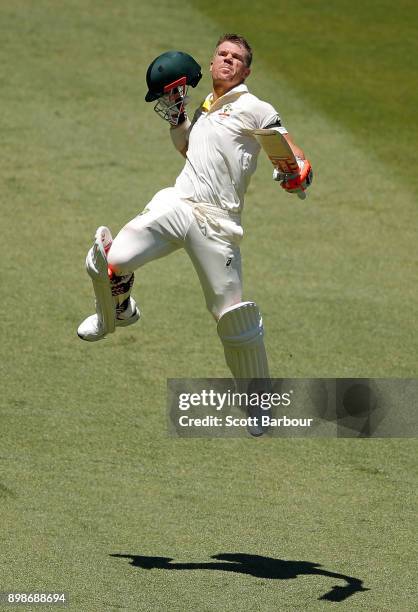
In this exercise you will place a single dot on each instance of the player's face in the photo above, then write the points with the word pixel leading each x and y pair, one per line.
pixel 228 65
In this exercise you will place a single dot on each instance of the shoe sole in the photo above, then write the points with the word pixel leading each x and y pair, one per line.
pixel 119 323
pixel 92 338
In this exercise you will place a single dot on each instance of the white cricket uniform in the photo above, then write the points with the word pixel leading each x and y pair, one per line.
pixel 202 212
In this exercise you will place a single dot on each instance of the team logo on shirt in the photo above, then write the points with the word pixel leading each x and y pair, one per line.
pixel 226 110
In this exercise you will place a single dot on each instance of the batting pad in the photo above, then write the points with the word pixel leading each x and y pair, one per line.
pixel 241 331
pixel 96 265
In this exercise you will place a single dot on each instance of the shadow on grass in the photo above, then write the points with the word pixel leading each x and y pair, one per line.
pixel 258 566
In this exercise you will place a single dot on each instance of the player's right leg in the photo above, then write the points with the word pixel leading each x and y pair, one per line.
pixel 154 233
pixel 114 306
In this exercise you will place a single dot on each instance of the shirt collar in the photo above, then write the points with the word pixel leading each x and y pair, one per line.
pixel 209 104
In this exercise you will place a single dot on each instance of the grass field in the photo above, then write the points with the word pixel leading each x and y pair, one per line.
pixel 92 488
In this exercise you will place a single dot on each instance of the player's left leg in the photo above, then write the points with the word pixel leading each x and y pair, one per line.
pixel 214 251
pixel 217 261
pixel 241 331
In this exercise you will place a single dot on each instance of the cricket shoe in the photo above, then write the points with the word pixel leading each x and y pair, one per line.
pixel 255 426
pixel 91 329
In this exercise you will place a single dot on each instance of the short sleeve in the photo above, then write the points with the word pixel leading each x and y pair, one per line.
pixel 259 115
pixel 266 115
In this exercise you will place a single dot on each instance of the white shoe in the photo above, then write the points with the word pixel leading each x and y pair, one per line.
pixel 91 329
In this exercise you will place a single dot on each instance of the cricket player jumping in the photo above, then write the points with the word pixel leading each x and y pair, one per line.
pixel 202 212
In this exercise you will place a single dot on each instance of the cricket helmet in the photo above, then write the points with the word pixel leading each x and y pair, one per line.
pixel 169 70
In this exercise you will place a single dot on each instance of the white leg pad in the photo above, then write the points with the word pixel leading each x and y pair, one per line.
pixel 241 331
pixel 96 265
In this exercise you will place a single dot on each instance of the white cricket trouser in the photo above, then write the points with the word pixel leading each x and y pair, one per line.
pixel 210 235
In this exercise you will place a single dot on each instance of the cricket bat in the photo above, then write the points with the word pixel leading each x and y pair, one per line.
pixel 279 153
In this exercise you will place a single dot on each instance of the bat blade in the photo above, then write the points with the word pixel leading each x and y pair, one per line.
pixel 279 153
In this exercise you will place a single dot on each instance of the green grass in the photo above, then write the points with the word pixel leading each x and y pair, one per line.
pixel 88 470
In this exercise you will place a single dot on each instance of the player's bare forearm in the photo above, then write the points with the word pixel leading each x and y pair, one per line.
pixel 180 136
pixel 296 150
pixel 184 152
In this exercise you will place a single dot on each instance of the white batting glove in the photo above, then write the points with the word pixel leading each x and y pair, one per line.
pixel 295 183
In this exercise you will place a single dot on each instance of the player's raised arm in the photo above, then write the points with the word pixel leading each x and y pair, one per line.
pixel 291 168
pixel 296 150
pixel 168 78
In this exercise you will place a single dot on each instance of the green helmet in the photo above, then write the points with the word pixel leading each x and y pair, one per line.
pixel 168 71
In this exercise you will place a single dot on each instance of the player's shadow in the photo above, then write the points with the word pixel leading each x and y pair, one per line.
pixel 258 566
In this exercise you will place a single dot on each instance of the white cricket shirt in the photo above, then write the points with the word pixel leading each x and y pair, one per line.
pixel 222 152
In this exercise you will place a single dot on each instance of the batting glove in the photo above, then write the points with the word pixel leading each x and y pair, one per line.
pixel 299 182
